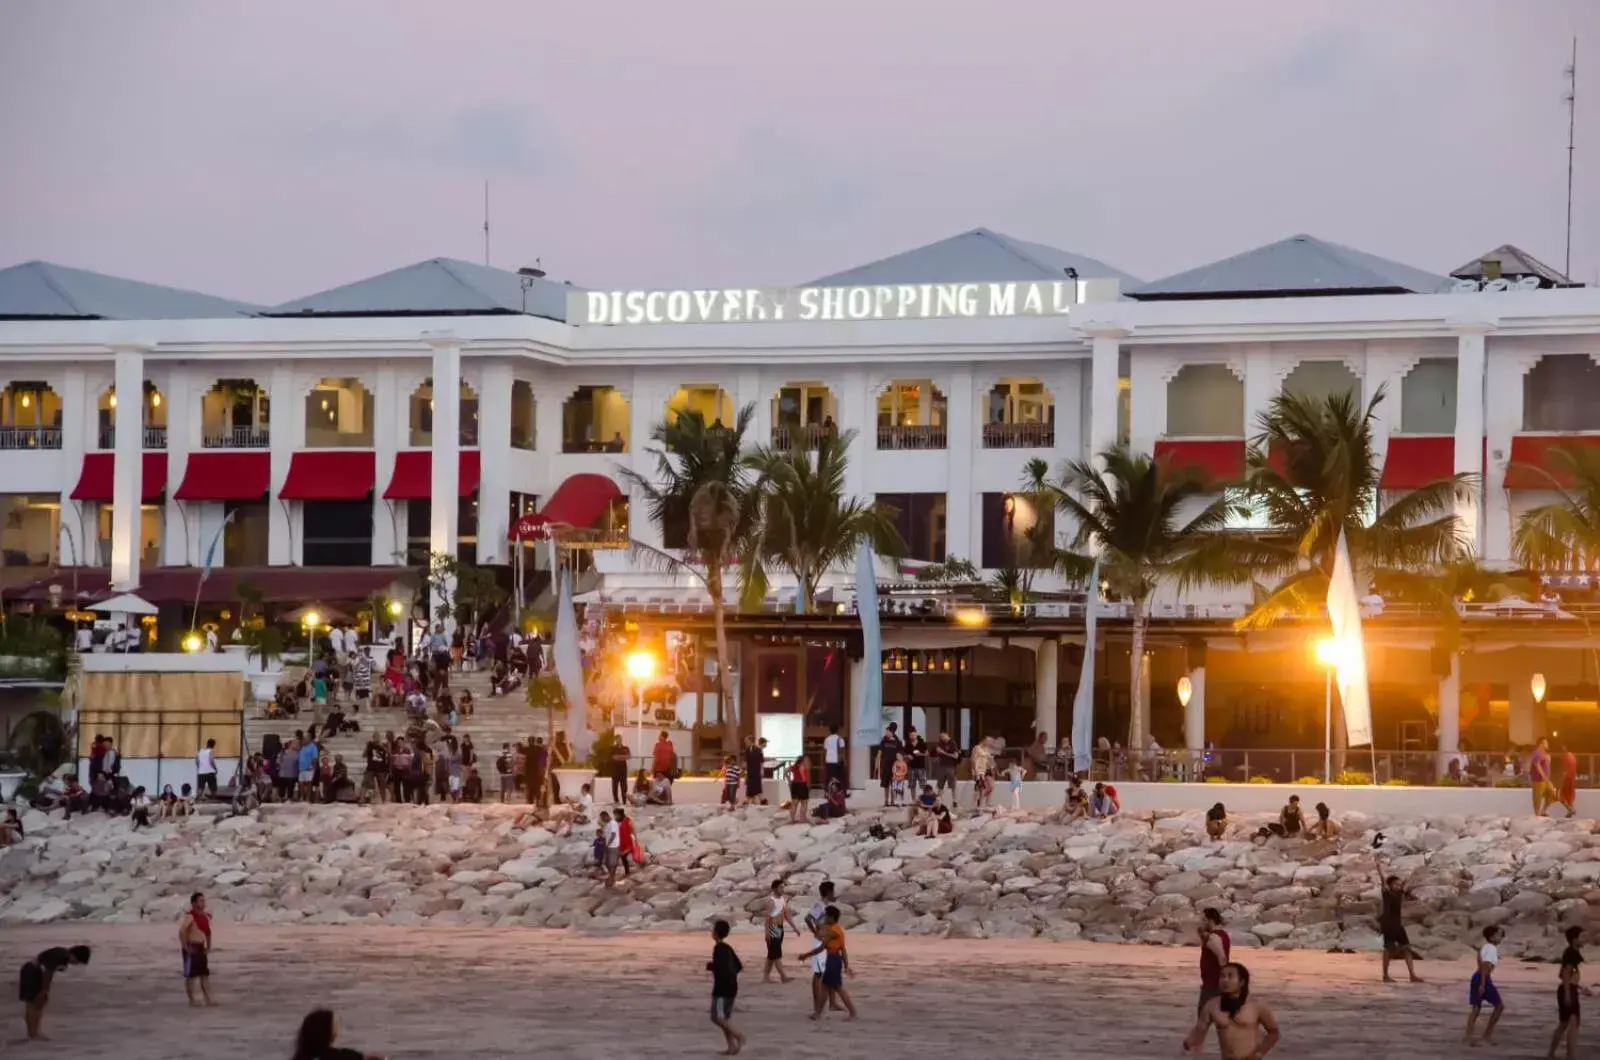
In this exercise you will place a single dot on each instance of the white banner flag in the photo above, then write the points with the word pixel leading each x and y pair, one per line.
pixel 1350 653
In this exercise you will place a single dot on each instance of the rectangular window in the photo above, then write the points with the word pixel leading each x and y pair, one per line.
pixel 419 531
pixel 1017 532
pixel 244 540
pixel 337 533
pixel 920 518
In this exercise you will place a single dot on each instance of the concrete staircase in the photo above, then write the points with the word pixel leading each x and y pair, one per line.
pixel 505 719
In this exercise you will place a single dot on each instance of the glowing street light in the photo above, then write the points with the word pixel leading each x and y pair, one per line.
pixel 193 642
pixel 971 617
pixel 395 608
pixel 641 665
pixel 1185 691
pixel 1539 688
pixel 311 620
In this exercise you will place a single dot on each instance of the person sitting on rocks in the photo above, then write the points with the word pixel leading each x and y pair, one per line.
pixel 472 788
pixel 833 803
pixel 11 830
pixel 1216 821
pixel 922 806
pixel 1324 827
pixel 1076 806
pixel 184 807
pixel 74 797
pixel 140 809
pixel 1102 803
pixel 100 793
pixel 660 793
pixel 1291 819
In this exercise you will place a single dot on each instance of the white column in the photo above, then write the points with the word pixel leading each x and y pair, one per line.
pixel 858 745
pixel 78 427
pixel 857 414
pixel 445 493
pixel 1505 376
pixel 962 439
pixel 1470 363
pixel 390 432
pixel 494 454
pixel 1449 713
pixel 1386 370
pixel 1194 715
pixel 1147 419
pixel 178 548
pixel 127 488
pixel 286 429
pixel 1261 383
pixel 1046 683
pixel 647 406
pixel 1106 353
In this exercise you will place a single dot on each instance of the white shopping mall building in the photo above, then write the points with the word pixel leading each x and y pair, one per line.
pixel 147 431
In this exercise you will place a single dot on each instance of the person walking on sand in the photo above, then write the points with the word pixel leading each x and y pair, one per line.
pixel 836 964
pixel 33 986
pixel 1569 780
pixel 816 919
pixel 1567 990
pixel 1246 1029
pixel 779 917
pixel 1215 949
pixel 1544 793
pixel 194 942
pixel 1392 895
pixel 724 967
pixel 1481 990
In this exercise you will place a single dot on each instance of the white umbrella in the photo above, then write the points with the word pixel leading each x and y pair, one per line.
pixel 126 604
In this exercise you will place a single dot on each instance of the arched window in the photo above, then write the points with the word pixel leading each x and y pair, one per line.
pixel 339 413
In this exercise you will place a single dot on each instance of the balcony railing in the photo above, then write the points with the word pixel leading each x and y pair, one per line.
pixel 579 445
pixel 594 538
pixel 912 437
pixel 154 438
pixel 1019 435
pixel 798 436
pixel 30 438
pixel 239 438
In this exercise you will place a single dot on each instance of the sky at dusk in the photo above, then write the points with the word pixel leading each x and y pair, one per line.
pixel 264 151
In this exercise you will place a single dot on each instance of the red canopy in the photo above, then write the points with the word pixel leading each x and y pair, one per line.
pixel 1414 461
pixel 413 475
pixel 226 475
pixel 96 481
pixel 1531 466
pixel 1221 460
pixel 579 501
pixel 330 475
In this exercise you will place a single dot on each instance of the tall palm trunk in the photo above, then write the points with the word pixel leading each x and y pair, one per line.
pixel 1136 719
pixel 719 622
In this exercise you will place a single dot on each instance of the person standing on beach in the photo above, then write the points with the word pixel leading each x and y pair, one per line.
pixel 836 964
pixel 1215 949
pixel 1246 1029
pixel 1392 894
pixel 194 941
pixel 610 847
pixel 778 917
pixel 815 920
pixel 724 967
pixel 1567 996
pixel 1482 991
pixel 1569 780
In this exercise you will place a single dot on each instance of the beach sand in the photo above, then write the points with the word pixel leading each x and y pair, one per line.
pixel 433 993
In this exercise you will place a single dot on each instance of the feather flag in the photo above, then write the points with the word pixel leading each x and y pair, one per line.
pixel 1083 699
pixel 869 722
pixel 569 668
pixel 1350 650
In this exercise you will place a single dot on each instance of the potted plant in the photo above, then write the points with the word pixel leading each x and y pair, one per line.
pixel 266 652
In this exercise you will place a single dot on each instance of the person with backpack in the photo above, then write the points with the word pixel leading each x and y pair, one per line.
pixel 503 765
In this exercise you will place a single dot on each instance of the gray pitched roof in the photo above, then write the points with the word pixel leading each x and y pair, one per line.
pixel 978 255
pixel 436 287
pixel 1299 265
pixel 38 290
pixel 1514 261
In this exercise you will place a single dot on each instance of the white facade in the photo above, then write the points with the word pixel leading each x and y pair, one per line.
pixel 1063 399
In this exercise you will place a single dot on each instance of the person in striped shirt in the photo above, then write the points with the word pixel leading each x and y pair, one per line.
pixel 731 775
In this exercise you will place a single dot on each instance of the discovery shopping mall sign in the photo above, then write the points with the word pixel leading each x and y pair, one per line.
pixel 743 305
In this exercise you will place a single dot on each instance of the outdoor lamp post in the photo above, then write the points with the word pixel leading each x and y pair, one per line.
pixel 1328 655
pixel 641 667
pixel 1185 691
pixel 311 620
pixel 1537 683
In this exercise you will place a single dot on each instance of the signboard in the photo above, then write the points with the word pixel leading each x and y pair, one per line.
pixel 754 305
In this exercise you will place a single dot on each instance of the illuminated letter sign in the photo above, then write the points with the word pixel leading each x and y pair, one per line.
pixel 759 305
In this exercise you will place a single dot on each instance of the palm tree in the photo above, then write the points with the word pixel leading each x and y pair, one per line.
pixel 1129 519
pixel 707 489
pixel 1313 473
pixel 807 524
pixel 1565 533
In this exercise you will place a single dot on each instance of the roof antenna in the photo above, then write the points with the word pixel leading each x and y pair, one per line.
pixel 487 221
pixel 1571 100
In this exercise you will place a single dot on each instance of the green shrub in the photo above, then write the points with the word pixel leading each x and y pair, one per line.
pixel 600 754
pixel 1262 780
pixel 1309 780
pixel 1212 778
pixel 1447 782
pixel 1397 782
pixel 1353 776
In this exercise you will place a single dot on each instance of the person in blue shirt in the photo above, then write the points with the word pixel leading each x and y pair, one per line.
pixel 307 765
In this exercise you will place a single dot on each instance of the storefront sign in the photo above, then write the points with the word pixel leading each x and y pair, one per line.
pixel 744 305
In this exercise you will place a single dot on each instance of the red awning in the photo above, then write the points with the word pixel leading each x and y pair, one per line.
pixel 330 475
pixel 95 482
pixel 1415 461
pixel 1533 465
pixel 413 475
pixel 1218 459
pixel 226 475
pixel 579 501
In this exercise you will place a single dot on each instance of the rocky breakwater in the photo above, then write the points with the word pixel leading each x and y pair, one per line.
pixel 1137 878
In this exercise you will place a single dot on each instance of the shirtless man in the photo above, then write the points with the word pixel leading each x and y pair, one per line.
pixel 34 986
pixel 194 943
pixel 1240 1022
